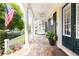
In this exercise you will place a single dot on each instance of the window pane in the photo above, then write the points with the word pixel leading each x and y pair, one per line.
pixel 67 20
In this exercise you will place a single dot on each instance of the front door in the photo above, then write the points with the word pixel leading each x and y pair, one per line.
pixel 76 41
pixel 70 28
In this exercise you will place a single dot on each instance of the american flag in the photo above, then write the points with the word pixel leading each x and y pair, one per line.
pixel 8 15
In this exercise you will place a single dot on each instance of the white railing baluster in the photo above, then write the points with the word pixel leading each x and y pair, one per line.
pixel 6 45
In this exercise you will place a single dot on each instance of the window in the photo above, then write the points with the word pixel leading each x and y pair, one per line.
pixel 67 20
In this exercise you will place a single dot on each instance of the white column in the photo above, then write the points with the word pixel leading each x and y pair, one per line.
pixel 32 27
pixel 26 28
pixel 33 31
pixel 6 45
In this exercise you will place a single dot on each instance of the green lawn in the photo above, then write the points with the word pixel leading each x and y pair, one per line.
pixel 18 40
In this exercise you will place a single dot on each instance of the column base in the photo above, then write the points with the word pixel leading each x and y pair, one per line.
pixel 26 46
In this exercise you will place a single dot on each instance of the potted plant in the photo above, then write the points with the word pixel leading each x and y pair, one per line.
pixel 52 37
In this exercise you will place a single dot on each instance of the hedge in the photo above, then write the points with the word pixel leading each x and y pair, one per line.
pixel 3 36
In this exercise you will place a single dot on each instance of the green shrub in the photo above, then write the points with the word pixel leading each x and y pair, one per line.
pixel 13 34
pixel 3 35
pixel 22 32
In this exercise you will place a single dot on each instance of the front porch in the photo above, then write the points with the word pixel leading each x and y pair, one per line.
pixel 39 46
pixel 44 18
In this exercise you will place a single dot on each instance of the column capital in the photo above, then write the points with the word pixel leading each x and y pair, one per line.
pixel 26 6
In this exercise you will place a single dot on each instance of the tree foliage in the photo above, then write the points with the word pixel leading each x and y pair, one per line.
pixel 17 20
pixel 2 12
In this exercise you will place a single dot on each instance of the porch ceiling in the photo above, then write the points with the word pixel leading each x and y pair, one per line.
pixel 41 10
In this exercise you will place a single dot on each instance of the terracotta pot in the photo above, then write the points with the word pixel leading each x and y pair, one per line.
pixel 52 42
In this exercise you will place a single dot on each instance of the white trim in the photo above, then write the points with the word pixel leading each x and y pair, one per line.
pixel 66 23
pixel 66 35
pixel 77 22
